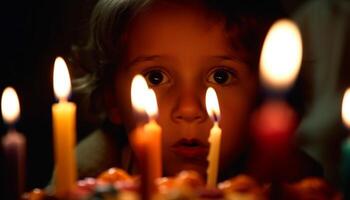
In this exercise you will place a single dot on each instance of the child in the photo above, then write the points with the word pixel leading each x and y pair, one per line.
pixel 181 47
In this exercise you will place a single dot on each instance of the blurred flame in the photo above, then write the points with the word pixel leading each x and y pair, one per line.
pixel 143 99
pixel 151 104
pixel 281 55
pixel 10 105
pixel 346 108
pixel 212 104
pixel 61 79
pixel 138 93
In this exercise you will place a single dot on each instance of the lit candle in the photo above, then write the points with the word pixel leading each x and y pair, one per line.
pixel 213 110
pixel 345 167
pixel 146 139
pixel 14 145
pixel 63 115
pixel 274 123
pixel 279 66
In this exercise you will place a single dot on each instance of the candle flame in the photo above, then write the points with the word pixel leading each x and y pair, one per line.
pixel 281 55
pixel 346 108
pixel 143 99
pixel 212 104
pixel 139 90
pixel 151 104
pixel 61 79
pixel 10 105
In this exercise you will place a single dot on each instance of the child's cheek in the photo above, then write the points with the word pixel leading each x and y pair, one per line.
pixel 236 110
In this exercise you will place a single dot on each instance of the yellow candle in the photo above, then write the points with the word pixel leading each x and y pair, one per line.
pixel 147 138
pixel 213 110
pixel 63 115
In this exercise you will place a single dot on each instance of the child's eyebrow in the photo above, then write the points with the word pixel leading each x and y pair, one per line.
pixel 225 57
pixel 209 58
pixel 143 59
pixel 228 58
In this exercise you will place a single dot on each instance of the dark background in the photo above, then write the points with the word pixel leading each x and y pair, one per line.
pixel 33 34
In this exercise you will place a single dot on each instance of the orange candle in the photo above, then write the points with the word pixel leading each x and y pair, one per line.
pixel 14 144
pixel 147 138
pixel 153 134
pixel 213 110
pixel 63 115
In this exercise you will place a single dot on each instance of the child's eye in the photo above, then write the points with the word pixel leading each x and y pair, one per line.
pixel 221 76
pixel 156 77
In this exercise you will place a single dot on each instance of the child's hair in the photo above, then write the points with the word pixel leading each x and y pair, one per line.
pixel 247 22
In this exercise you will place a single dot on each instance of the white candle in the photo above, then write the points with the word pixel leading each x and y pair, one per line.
pixel 213 110
pixel 14 145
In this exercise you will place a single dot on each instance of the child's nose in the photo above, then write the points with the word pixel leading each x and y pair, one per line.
pixel 189 108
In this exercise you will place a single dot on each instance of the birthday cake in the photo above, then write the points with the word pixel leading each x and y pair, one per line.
pixel 116 184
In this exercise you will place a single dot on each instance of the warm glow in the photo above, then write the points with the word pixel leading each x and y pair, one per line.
pixel 139 90
pixel 212 104
pixel 10 105
pixel 345 112
pixel 143 99
pixel 61 79
pixel 151 104
pixel 281 55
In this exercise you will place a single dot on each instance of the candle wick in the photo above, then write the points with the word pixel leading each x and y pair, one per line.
pixel 215 117
pixel 216 123
pixel 11 128
pixel 62 100
pixel 152 119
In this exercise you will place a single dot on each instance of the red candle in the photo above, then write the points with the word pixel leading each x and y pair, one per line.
pixel 274 123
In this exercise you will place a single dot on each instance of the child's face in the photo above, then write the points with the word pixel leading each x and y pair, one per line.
pixel 181 52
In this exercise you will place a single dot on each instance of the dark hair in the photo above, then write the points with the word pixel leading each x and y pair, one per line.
pixel 247 20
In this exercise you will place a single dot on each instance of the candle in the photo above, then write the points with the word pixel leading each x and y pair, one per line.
pixel 63 115
pixel 213 110
pixel 279 66
pixel 153 133
pixel 14 145
pixel 274 123
pixel 146 138
pixel 345 167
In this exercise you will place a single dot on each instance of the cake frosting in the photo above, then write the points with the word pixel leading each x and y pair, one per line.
pixel 116 184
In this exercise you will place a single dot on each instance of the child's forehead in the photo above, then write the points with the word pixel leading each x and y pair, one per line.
pixel 182 31
pixel 166 12
pixel 178 33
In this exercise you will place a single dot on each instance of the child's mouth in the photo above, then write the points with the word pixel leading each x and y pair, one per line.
pixel 190 148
